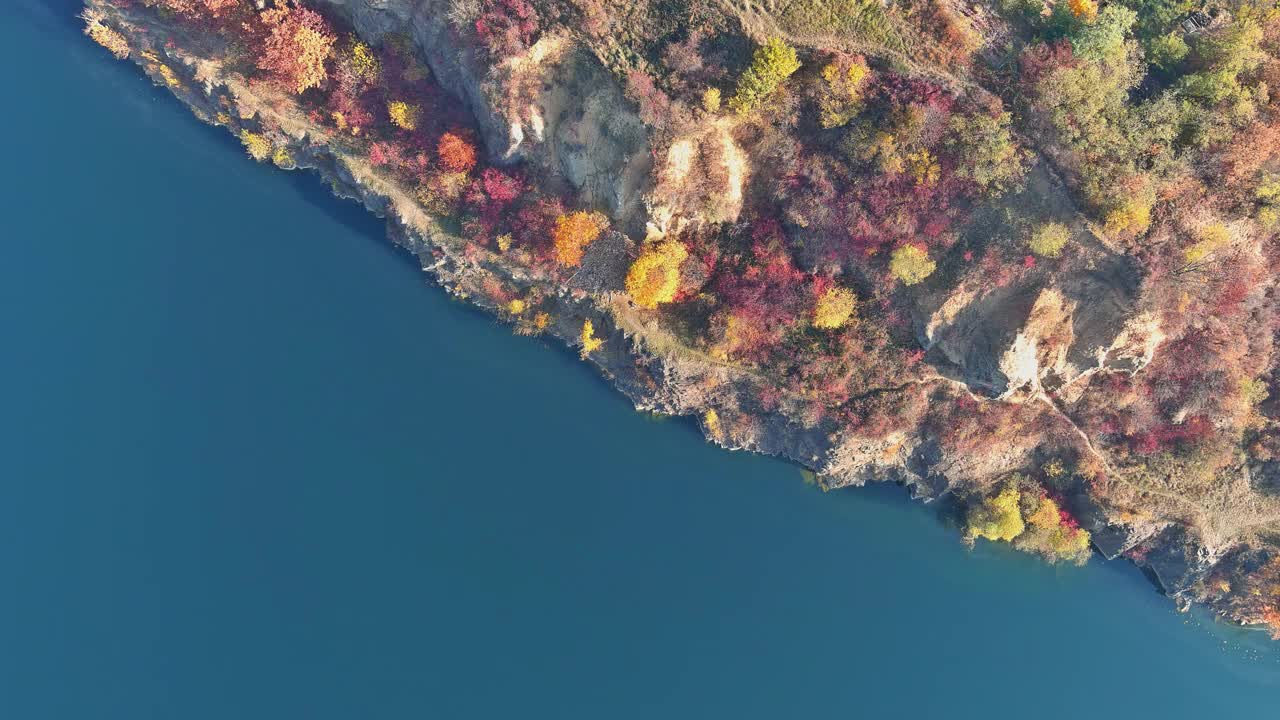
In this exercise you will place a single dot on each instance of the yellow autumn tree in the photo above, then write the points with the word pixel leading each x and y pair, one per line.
pixel 1131 217
pixel 590 343
pixel 840 95
pixel 364 64
pixel 924 166
pixel 1086 10
pixel 573 233
pixel 404 115
pixel 1047 534
pixel 1049 239
pixel 711 100
pixel 996 518
pixel 105 36
pixel 1211 239
pixel 1031 521
pixel 654 278
pixel 258 146
pixel 283 158
pixel 834 309
pixel 911 265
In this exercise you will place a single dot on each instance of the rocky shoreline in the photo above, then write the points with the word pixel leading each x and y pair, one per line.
pixel 637 356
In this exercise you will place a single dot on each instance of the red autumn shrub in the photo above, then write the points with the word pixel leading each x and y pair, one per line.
pixel 385 153
pixel 507 27
pixel 655 106
pixel 500 187
pixel 1040 59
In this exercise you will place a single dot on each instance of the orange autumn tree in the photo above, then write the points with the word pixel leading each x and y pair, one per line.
pixel 298 46
pixel 1084 9
pixel 455 153
pixel 573 233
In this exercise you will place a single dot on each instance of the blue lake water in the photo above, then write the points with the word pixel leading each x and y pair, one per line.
pixel 252 466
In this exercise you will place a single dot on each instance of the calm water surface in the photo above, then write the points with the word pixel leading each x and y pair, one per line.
pixel 251 466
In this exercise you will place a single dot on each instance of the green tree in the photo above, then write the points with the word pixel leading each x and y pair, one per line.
pixel 1224 56
pixel 772 63
pixel 1109 141
pixel 988 154
pixel 1103 39
pixel 1166 51
pixel 1158 29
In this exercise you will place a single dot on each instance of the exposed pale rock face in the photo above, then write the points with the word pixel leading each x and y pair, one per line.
pixel 592 137
pixel 1135 347
pixel 702 176
pixel 456 68
pixel 1039 350
pixel 570 117
pixel 1033 336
